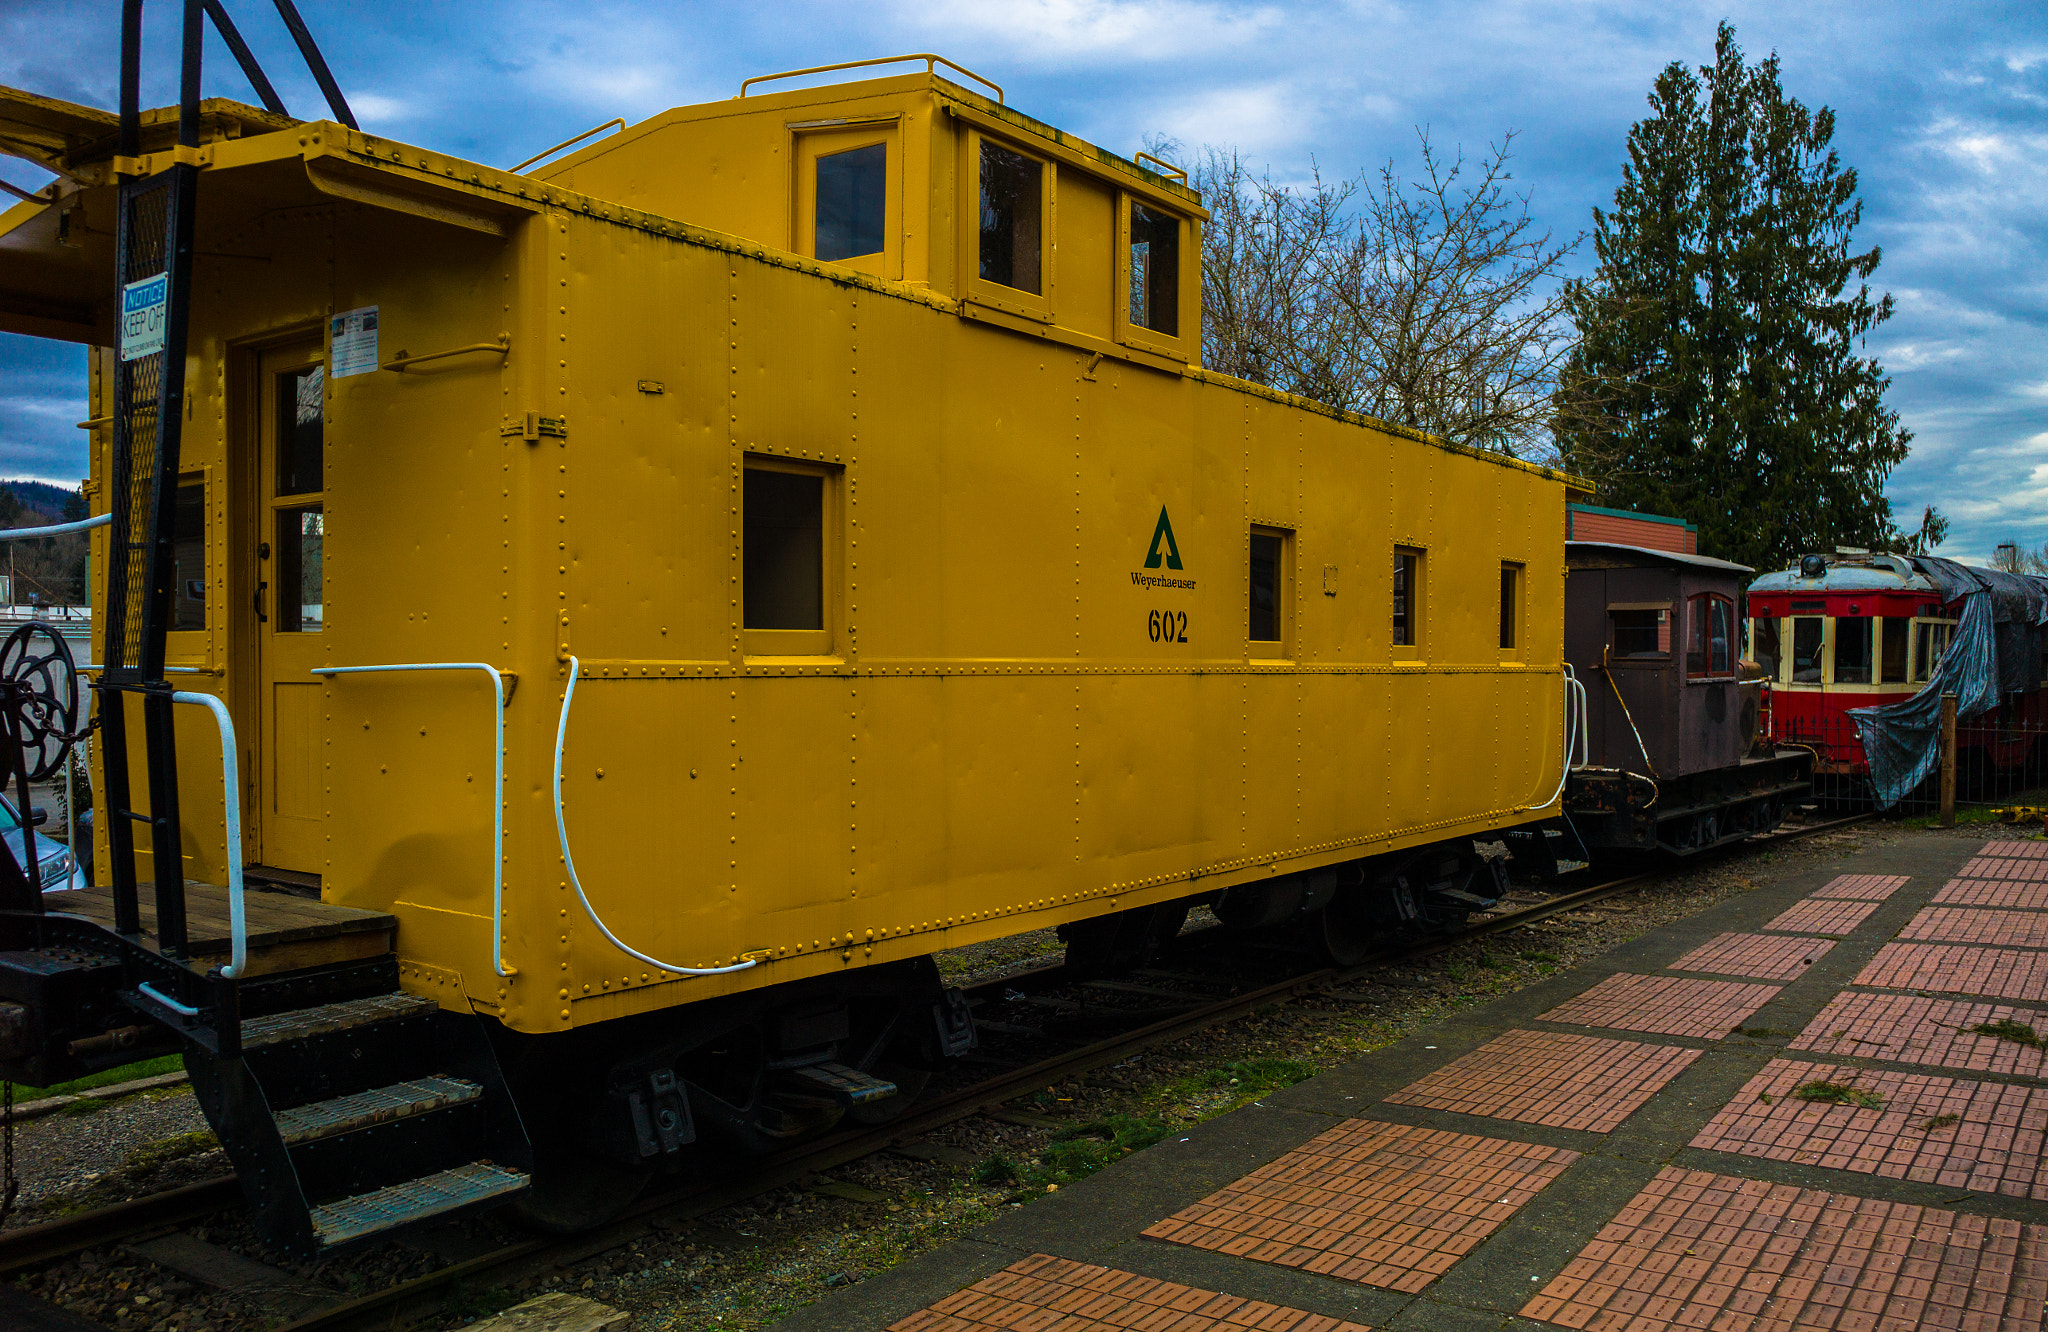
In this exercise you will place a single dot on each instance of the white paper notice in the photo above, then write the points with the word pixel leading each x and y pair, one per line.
pixel 355 342
pixel 145 309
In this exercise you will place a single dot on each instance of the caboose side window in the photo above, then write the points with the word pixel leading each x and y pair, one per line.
pixel 1710 636
pixel 1806 642
pixel 1155 270
pixel 1012 199
pixel 1407 600
pixel 1852 649
pixel 852 201
pixel 783 550
pixel 1510 606
pixel 1894 651
pixel 1637 631
pixel 1763 645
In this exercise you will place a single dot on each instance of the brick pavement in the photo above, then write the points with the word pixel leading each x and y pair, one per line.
pixel 1963 1134
pixel 1917 1029
pixel 1994 893
pixel 1863 887
pixel 1999 867
pixel 1999 973
pixel 2016 849
pixel 1700 1250
pixel 1556 1078
pixel 1043 1293
pixel 1820 915
pixel 1387 1205
pixel 2009 929
pixel 1767 956
pixel 1666 1005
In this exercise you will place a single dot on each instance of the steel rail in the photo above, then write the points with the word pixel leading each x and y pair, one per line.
pixel 52 1240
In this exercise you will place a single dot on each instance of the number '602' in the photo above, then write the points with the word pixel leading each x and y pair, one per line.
pixel 1167 626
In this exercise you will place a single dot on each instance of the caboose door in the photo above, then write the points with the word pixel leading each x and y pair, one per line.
pixel 290 607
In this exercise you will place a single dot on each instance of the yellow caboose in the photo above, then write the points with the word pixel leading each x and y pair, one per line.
pixel 663 597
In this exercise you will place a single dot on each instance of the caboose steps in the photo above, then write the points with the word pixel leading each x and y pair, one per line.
pixel 379 1105
pixel 445 1191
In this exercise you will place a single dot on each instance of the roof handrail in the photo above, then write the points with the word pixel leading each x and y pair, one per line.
pixel 930 66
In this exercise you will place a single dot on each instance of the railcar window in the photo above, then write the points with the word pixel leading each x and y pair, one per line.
pixel 1763 645
pixel 1155 270
pixel 188 557
pixel 1806 641
pixel 1928 645
pixel 1637 633
pixel 1012 190
pixel 1894 664
pixel 1710 636
pixel 1265 590
pixel 301 602
pixel 300 442
pixel 783 540
pixel 852 197
pixel 1407 598
pixel 1852 649
pixel 1510 605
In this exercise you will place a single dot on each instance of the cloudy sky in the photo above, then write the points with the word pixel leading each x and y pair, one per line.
pixel 1942 109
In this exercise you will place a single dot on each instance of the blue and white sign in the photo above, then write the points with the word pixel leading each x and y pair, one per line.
pixel 145 310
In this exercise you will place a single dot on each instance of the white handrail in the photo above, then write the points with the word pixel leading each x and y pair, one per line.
pixel 1575 742
pixel 498 787
pixel 238 925
pixel 55 529
pixel 569 863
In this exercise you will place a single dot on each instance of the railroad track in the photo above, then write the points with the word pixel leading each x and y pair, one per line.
pixel 34 1245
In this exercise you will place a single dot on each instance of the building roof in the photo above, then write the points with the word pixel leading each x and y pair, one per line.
pixel 1647 555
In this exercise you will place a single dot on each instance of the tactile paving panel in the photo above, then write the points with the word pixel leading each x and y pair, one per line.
pixel 1863 887
pixel 1822 916
pixel 1975 925
pixel 1994 893
pixel 1558 1078
pixel 1768 956
pixel 1382 1204
pixel 2027 850
pixel 1043 1294
pixel 1983 1136
pixel 1913 1029
pixel 1667 1005
pixel 1996 867
pixel 2000 973
pixel 1700 1250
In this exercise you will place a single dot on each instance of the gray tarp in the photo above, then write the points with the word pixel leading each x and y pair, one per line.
pixel 1996 652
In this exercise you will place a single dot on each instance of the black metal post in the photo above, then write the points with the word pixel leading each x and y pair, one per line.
pixel 166 839
pixel 114 794
pixel 244 57
pixel 188 82
pixel 316 62
pixel 131 77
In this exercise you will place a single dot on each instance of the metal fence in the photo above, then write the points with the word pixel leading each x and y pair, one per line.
pixel 1999 759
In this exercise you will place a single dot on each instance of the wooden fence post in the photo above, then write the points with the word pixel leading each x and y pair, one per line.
pixel 1948 760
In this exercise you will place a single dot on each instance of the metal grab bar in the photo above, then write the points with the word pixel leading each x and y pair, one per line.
pixel 231 779
pixel 498 787
pixel 929 59
pixel 1171 169
pixel 400 362
pixel 569 862
pixel 620 121
pixel 56 529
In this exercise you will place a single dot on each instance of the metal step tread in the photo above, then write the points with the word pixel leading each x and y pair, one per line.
pixel 415 1200
pixel 327 1019
pixel 849 1086
pixel 345 1114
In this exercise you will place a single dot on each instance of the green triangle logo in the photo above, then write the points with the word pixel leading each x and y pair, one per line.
pixel 1163 532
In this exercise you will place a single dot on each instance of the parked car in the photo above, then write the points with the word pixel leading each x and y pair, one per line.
pixel 59 873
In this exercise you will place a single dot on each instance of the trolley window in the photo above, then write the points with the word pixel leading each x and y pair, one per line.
pixel 1852 649
pixel 1637 632
pixel 1763 646
pixel 1407 598
pixel 1510 606
pixel 1930 641
pixel 852 201
pixel 783 550
pixel 1012 194
pixel 1894 663
pixel 1806 641
pixel 1155 270
pixel 1710 636
pixel 188 557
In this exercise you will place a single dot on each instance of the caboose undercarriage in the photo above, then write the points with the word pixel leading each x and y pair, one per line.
pixel 1614 810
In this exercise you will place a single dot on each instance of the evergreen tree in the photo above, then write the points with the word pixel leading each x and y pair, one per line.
pixel 1716 377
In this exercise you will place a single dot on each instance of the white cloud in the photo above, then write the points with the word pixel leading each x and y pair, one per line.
pixel 1069 32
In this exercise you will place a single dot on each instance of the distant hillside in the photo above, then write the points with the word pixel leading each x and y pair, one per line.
pixel 42 498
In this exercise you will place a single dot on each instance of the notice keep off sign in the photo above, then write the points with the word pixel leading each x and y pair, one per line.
pixel 145 307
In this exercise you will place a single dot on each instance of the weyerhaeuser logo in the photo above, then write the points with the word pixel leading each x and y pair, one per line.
pixel 1163 550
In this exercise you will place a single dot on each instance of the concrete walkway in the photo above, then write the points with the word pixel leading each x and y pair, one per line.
pixel 1781 1113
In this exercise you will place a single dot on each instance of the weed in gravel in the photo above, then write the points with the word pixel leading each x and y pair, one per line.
pixel 84 1105
pixel 1078 1152
pixel 145 1161
pixel 1940 1122
pixel 1536 955
pixel 997 1171
pixel 1838 1093
pixel 467 1302
pixel 2005 1029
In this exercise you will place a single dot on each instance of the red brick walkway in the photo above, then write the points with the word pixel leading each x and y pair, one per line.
pixel 1915 1029
pixel 1383 1204
pixel 1046 1294
pixel 1998 973
pixel 1667 1005
pixel 1820 915
pixel 1551 1077
pixel 1983 1136
pixel 1863 887
pixel 2003 867
pixel 1768 956
pixel 1700 1250
pixel 2009 929
pixel 1994 893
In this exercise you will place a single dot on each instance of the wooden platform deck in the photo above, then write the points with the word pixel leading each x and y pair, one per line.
pixel 286 931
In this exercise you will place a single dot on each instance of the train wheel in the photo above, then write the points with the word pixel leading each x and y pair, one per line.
pixel 574 1192
pixel 1345 929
